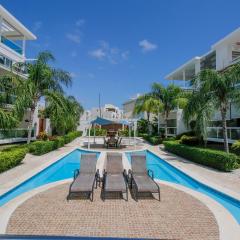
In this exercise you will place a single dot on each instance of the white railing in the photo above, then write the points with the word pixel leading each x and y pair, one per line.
pixel 171 131
pixel 216 133
pixel 14 133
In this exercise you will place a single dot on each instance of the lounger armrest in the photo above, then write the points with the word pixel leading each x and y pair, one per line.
pixel 76 173
pixel 97 175
pixel 130 174
pixel 150 175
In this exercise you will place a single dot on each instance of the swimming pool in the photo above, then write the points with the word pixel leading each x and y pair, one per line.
pixel 164 171
pixel 62 169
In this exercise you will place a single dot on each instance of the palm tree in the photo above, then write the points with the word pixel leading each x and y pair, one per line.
pixel 147 103
pixel 7 92
pixel 43 80
pixel 63 113
pixel 214 90
pixel 170 97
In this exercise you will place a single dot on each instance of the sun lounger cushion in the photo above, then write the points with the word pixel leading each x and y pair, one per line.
pixel 83 182
pixel 88 163
pixel 138 164
pixel 115 183
pixel 145 183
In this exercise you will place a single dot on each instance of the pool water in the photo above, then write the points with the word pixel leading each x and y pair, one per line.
pixel 60 170
pixel 164 171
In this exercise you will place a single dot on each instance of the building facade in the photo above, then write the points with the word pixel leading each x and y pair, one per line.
pixel 13 38
pixel 222 54
pixel 108 111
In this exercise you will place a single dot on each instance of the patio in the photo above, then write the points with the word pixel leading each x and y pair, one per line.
pixel 177 216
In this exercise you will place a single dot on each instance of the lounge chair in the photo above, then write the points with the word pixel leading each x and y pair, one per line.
pixel 118 144
pixel 141 179
pixel 114 177
pixel 85 179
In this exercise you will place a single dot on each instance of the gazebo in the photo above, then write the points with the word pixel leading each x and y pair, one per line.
pixel 104 122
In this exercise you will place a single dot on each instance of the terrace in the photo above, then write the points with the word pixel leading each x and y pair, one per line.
pixel 182 213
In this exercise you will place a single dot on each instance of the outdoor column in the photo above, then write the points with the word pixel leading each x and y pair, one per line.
pixel 184 78
pixel 1 20
pixel 89 136
pixel 23 46
pixel 94 133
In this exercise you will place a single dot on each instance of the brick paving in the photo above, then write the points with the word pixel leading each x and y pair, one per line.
pixel 177 216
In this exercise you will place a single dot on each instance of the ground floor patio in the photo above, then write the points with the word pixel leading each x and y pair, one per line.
pixel 177 216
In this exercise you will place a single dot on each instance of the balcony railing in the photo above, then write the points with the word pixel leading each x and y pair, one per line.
pixel 12 45
pixel 216 133
pixel 171 131
pixel 14 133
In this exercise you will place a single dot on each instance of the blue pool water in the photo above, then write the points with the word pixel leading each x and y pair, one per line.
pixel 164 171
pixel 62 169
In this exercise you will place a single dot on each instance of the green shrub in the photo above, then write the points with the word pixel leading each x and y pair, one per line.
pixel 58 142
pixel 188 140
pixel 154 140
pixel 71 136
pixel 236 147
pixel 98 132
pixel 11 158
pixel 208 157
pixel 190 133
pixel 41 147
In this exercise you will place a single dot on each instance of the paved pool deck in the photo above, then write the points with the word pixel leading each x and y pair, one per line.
pixel 177 216
pixel 225 182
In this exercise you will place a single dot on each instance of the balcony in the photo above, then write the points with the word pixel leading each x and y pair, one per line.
pixel 215 134
pixel 12 45
pixel 171 131
pixel 14 135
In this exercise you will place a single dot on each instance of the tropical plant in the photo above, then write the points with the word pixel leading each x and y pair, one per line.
pixel 170 97
pixel 64 113
pixel 7 89
pixel 43 81
pixel 147 103
pixel 213 90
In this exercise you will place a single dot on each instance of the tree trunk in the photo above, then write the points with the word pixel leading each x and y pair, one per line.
pixel 158 123
pixel 149 128
pixel 30 124
pixel 165 118
pixel 224 127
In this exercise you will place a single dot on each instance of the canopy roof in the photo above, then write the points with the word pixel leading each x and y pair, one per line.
pixel 103 121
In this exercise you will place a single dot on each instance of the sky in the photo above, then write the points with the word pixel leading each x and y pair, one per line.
pixel 118 48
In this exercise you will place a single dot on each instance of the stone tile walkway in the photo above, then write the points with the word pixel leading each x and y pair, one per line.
pixel 177 216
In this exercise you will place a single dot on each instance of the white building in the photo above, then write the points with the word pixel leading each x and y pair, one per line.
pixel 13 38
pixel 222 54
pixel 109 111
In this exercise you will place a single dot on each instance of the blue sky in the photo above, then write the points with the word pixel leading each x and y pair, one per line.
pixel 119 48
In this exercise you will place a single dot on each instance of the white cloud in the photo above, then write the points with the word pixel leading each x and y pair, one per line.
pixel 73 75
pixel 111 54
pixel 98 53
pixel 80 22
pixel 73 54
pixel 37 25
pixel 91 75
pixel 147 46
pixel 125 55
pixel 74 37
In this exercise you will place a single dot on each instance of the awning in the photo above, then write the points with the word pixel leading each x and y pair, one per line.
pixel 102 121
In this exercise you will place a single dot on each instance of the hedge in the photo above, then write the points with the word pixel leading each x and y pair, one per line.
pixel 189 140
pixel 154 140
pixel 236 147
pixel 11 158
pixel 208 157
pixel 42 147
